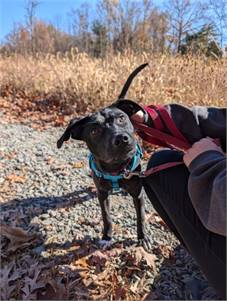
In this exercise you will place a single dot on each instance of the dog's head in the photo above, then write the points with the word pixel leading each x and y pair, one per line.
pixel 108 133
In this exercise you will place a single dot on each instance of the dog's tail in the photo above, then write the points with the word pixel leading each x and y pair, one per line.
pixel 129 80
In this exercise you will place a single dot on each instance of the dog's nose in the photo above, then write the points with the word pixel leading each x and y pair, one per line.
pixel 121 139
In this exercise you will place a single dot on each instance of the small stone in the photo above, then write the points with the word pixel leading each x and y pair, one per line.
pixel 47 222
pixel 43 233
pixel 38 250
pixel 45 254
pixel 44 216
pixel 35 220
pixel 53 213
pixel 67 245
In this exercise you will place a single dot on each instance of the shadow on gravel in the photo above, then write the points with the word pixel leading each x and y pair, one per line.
pixel 20 212
pixel 29 208
pixel 52 202
pixel 29 213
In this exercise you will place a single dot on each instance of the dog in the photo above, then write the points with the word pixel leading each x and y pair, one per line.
pixel 110 137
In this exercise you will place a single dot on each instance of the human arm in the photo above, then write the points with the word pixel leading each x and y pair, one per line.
pixel 207 183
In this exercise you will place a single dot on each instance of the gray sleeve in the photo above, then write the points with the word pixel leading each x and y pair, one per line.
pixel 198 122
pixel 207 190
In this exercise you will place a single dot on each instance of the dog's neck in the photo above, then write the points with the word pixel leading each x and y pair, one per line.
pixel 130 163
pixel 112 167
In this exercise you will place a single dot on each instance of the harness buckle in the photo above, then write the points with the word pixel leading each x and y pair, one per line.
pixel 128 174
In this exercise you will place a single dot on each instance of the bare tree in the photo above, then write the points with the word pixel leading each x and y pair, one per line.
pixel 184 16
pixel 108 14
pixel 125 21
pixel 81 26
pixel 17 40
pixel 30 9
pixel 218 15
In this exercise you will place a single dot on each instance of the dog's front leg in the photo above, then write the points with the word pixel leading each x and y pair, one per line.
pixel 107 221
pixel 139 204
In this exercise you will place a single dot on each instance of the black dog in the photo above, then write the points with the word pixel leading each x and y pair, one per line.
pixel 109 135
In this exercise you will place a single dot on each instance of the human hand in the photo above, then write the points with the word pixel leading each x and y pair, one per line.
pixel 138 116
pixel 200 147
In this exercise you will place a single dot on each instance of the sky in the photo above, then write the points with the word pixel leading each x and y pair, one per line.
pixel 55 11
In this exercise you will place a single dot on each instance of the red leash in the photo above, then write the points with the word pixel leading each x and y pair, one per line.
pixel 156 135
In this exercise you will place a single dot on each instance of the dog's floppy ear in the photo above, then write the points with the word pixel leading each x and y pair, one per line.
pixel 74 130
pixel 128 106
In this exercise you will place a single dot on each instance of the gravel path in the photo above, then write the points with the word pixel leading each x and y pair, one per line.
pixel 49 191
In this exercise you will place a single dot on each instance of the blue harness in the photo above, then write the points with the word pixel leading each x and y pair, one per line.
pixel 115 178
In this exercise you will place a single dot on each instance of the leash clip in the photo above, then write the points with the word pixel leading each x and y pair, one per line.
pixel 128 174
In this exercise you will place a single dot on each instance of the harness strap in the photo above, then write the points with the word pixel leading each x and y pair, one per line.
pixel 161 120
pixel 150 135
pixel 156 135
pixel 169 122
pixel 158 124
pixel 115 177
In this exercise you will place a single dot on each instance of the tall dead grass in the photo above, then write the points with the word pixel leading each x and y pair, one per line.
pixel 87 83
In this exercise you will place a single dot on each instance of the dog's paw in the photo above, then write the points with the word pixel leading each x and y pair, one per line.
pixel 145 243
pixel 104 244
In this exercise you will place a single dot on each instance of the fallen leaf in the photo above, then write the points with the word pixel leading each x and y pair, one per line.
pixel 54 290
pixel 165 250
pixel 98 259
pixel 159 220
pixel 114 252
pixel 119 293
pixel 11 155
pixel 78 164
pixel 15 233
pixel 155 218
pixel 17 236
pixel 13 178
pixel 32 284
pixel 140 254
pixel 60 120
pixel 6 280
pixel 81 263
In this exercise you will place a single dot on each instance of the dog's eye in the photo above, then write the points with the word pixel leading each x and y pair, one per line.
pixel 121 119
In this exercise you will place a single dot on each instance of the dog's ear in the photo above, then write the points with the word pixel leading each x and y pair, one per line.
pixel 74 130
pixel 128 106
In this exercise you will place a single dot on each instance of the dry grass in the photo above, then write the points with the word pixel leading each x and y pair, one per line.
pixel 90 83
